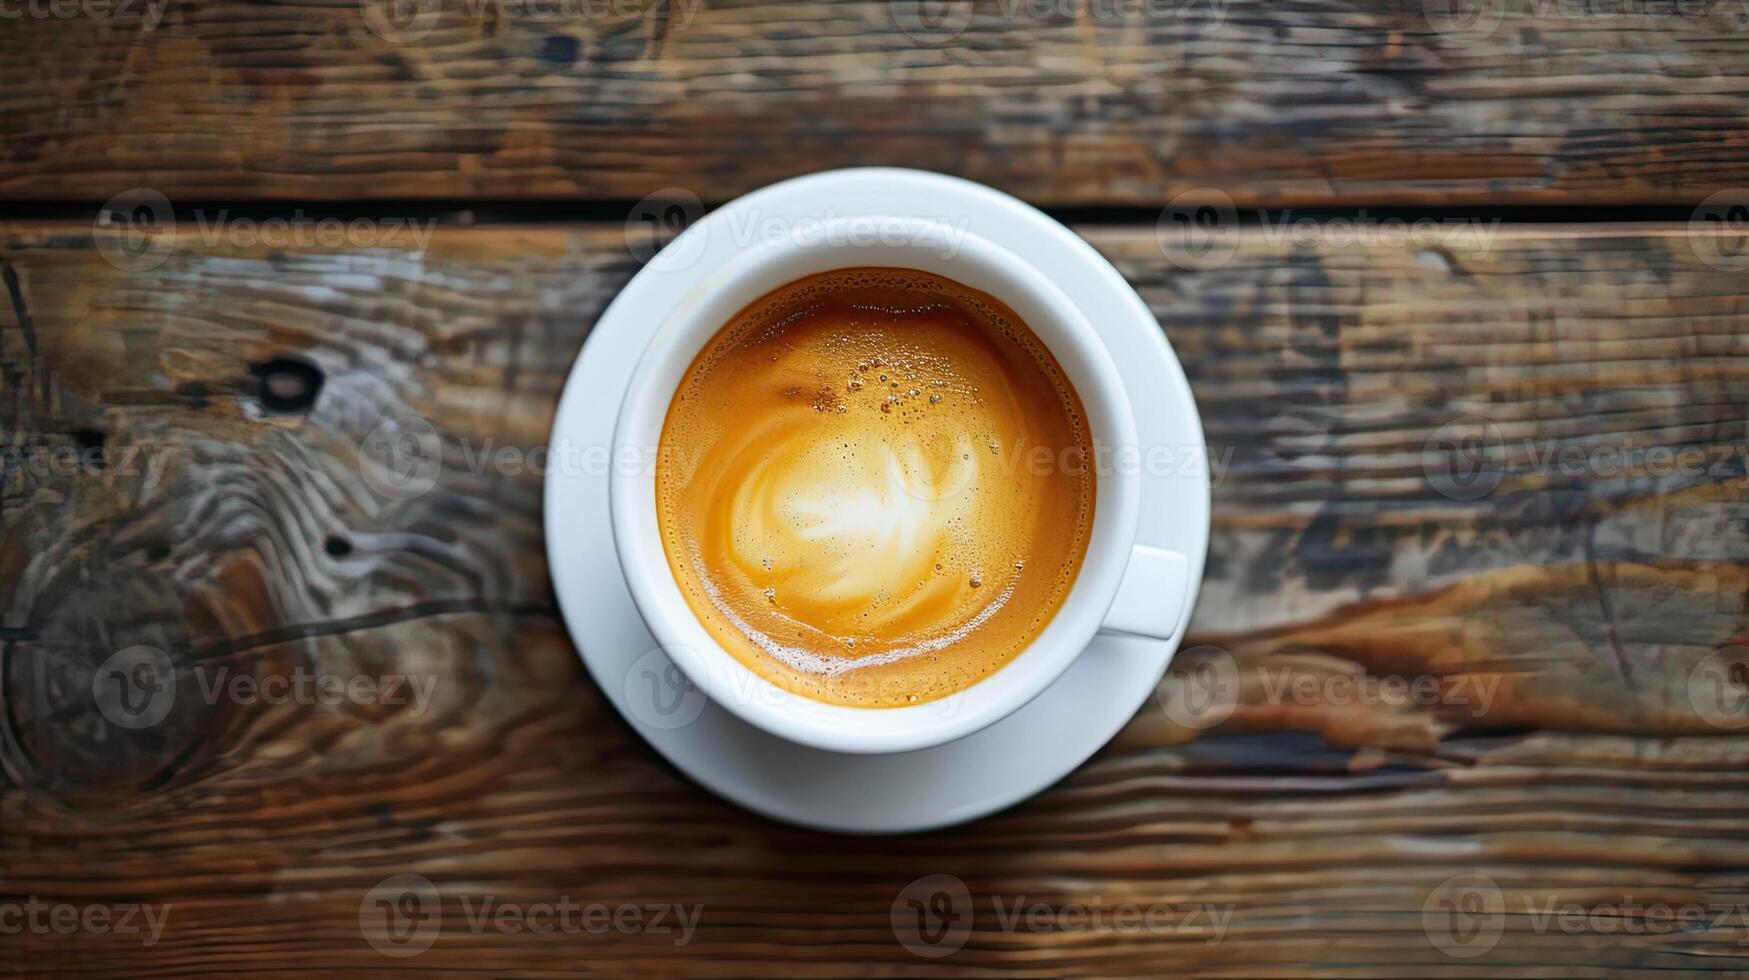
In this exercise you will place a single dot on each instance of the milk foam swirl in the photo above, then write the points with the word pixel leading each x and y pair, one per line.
pixel 850 523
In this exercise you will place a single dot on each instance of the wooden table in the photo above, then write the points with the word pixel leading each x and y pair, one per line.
pixel 1475 721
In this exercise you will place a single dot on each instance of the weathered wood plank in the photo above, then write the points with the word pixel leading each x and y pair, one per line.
pixel 1569 753
pixel 1077 102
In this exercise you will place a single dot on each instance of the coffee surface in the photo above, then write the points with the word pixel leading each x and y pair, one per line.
pixel 874 486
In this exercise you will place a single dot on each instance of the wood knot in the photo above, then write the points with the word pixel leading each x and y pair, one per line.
pixel 559 50
pixel 287 384
pixel 90 443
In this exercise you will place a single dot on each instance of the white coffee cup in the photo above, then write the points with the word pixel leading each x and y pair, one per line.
pixel 1123 586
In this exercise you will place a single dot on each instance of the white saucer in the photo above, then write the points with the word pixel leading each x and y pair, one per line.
pixel 984 772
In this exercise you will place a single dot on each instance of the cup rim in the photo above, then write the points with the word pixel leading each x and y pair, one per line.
pixel 809 248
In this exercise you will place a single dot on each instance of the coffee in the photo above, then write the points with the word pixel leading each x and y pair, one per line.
pixel 874 486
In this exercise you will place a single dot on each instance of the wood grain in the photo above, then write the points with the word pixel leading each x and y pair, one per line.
pixel 1062 102
pixel 1563 617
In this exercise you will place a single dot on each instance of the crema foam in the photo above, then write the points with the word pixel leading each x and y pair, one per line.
pixel 845 494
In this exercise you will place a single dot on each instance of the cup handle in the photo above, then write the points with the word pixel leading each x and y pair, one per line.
pixel 1150 599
